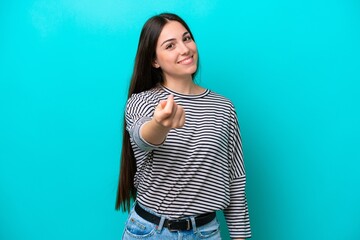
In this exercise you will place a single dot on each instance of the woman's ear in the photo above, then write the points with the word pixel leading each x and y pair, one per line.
pixel 155 64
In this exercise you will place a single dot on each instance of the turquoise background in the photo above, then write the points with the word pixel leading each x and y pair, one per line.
pixel 292 69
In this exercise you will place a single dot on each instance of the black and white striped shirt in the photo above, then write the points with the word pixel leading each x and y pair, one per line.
pixel 199 168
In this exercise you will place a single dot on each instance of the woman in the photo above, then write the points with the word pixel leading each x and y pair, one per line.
pixel 181 155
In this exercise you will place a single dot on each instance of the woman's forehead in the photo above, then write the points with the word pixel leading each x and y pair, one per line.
pixel 172 29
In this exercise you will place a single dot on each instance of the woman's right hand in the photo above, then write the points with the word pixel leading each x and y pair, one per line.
pixel 168 114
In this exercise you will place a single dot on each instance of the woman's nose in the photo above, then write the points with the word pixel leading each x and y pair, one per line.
pixel 184 49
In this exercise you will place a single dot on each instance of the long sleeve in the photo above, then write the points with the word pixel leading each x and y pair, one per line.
pixel 237 214
pixel 139 110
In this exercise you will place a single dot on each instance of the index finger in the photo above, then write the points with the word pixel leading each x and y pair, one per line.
pixel 169 103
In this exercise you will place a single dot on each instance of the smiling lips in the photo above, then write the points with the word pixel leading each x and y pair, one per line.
pixel 187 60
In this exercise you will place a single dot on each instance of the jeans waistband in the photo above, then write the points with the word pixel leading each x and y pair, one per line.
pixel 178 224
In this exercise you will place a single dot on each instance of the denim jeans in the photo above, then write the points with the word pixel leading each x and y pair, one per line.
pixel 138 228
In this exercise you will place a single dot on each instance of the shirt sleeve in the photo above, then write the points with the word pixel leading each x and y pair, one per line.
pixel 139 110
pixel 237 214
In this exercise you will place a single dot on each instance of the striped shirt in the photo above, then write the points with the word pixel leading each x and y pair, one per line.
pixel 199 168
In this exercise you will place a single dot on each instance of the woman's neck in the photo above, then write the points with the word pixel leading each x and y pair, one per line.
pixel 183 86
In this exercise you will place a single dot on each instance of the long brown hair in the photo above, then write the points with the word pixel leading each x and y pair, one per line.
pixel 144 77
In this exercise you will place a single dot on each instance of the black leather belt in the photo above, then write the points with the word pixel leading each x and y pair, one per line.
pixel 175 225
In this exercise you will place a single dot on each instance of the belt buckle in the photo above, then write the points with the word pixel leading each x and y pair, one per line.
pixel 171 225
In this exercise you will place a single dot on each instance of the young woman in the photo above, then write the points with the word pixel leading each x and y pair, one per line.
pixel 181 154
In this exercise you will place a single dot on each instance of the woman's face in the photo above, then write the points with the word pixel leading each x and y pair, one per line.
pixel 176 52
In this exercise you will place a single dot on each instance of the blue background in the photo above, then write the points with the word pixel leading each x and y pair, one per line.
pixel 292 69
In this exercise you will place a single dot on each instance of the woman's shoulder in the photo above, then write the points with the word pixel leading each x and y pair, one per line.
pixel 221 99
pixel 150 96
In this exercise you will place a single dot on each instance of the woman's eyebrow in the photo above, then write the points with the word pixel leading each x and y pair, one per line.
pixel 172 39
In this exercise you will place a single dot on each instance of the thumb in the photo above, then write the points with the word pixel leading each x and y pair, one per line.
pixel 162 104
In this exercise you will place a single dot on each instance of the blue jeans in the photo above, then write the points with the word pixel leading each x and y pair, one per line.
pixel 138 228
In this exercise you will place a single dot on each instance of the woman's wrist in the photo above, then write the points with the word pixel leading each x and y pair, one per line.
pixel 153 132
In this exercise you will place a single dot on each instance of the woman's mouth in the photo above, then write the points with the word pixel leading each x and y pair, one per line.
pixel 187 60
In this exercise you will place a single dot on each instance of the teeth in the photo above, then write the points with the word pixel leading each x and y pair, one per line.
pixel 188 60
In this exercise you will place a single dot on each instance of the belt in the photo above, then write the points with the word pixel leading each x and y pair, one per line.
pixel 178 224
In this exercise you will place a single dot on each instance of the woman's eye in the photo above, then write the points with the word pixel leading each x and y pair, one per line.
pixel 187 38
pixel 169 46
